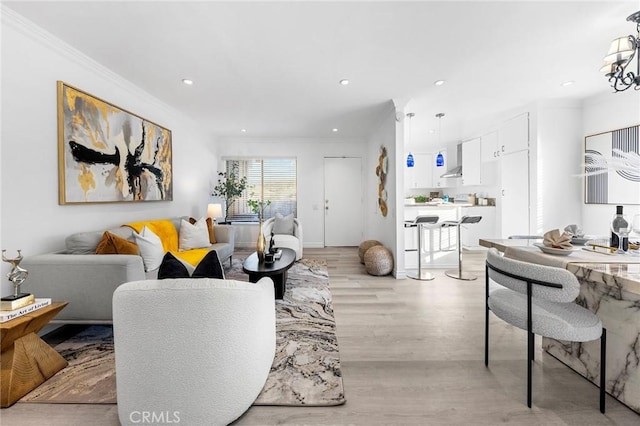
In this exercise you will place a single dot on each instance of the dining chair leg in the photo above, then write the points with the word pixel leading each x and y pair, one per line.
pixel 603 368
pixel 486 335
pixel 486 316
pixel 529 366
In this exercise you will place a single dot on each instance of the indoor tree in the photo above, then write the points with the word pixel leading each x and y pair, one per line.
pixel 229 187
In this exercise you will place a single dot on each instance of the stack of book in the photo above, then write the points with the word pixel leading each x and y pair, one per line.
pixel 10 309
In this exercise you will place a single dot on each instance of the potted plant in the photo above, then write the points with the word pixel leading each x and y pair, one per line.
pixel 229 187
pixel 258 207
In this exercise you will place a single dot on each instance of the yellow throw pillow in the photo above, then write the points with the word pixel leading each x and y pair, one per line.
pixel 112 244
pixel 212 235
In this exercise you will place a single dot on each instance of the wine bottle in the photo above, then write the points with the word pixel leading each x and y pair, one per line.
pixel 615 240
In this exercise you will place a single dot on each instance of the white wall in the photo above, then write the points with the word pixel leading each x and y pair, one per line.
pixel 378 227
pixel 31 219
pixel 603 113
pixel 310 154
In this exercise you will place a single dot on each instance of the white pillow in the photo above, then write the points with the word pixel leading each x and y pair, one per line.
pixel 193 236
pixel 150 247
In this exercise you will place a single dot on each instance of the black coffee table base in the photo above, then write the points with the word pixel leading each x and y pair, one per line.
pixel 277 270
pixel 279 282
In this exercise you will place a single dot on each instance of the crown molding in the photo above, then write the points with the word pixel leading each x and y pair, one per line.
pixel 14 20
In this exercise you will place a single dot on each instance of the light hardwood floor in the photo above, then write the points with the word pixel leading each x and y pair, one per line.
pixel 411 354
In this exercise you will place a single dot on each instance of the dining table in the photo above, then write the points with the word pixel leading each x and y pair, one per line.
pixel 609 287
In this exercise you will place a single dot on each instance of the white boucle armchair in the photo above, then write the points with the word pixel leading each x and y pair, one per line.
pixel 294 241
pixel 192 351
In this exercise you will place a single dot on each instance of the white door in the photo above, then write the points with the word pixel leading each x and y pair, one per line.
pixel 514 198
pixel 343 200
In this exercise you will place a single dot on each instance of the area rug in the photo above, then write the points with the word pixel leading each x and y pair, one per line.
pixel 305 371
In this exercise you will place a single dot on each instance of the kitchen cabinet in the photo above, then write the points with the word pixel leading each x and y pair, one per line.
pixel 514 195
pixel 490 148
pixel 513 135
pixel 437 181
pixel 421 174
pixel 471 162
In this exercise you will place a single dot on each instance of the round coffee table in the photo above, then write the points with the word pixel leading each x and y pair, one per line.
pixel 277 270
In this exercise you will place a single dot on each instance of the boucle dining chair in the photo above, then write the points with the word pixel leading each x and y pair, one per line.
pixel 540 300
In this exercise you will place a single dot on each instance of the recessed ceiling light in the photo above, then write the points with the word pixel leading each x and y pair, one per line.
pixel 334 130
pixel 567 83
pixel 432 131
pixel 243 130
pixel 187 81
pixel 344 81
pixel 438 82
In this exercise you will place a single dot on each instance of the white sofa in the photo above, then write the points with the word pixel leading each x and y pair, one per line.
pixel 294 242
pixel 191 351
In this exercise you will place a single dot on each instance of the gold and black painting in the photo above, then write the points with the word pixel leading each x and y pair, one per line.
pixel 107 154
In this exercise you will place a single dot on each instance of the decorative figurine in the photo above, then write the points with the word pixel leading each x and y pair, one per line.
pixel 272 249
pixel 17 275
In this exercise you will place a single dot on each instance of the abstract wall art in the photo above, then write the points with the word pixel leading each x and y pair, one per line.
pixel 107 154
pixel 612 167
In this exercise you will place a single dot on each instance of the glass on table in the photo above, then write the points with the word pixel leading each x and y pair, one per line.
pixel 635 224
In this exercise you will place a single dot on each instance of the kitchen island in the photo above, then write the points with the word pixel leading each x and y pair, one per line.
pixel 609 287
pixel 440 244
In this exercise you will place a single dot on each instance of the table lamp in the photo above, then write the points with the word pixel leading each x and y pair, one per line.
pixel 214 211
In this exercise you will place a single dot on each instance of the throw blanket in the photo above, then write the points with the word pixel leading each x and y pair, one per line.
pixel 167 232
pixel 162 228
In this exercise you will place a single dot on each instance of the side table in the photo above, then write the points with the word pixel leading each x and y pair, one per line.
pixel 27 360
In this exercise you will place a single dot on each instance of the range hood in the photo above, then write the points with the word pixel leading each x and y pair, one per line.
pixel 457 170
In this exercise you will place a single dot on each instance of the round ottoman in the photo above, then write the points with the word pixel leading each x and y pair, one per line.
pixel 366 245
pixel 378 260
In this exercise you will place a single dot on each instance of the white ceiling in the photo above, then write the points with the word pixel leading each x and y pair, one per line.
pixel 273 68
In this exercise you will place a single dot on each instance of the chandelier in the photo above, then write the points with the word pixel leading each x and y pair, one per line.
pixel 620 55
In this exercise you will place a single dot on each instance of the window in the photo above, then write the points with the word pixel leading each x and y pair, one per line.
pixel 272 179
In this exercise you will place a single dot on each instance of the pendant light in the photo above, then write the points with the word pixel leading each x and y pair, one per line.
pixel 617 64
pixel 440 157
pixel 410 161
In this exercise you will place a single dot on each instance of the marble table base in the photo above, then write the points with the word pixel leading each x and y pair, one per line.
pixel 619 311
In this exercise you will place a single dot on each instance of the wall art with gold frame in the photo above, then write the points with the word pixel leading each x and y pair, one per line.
pixel 107 154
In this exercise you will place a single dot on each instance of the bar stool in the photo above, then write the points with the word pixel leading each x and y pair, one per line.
pixel 421 223
pixel 458 274
pixel 448 224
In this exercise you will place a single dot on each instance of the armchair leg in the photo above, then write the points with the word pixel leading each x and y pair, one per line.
pixel 603 368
